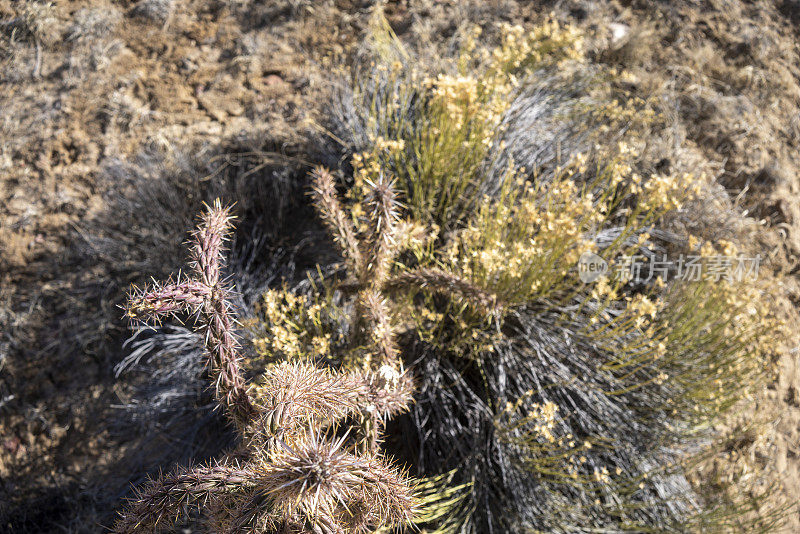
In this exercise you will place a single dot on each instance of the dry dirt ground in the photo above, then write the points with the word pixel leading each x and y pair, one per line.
pixel 104 101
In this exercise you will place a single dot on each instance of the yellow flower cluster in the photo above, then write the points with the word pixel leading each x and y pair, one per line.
pixel 479 101
pixel 528 240
pixel 466 101
pixel 544 418
pixel 711 339
pixel 458 113
pixel 539 419
pixel 601 475
pixel 669 192
pixel 640 306
pixel 547 43
pixel 632 113
pixel 457 329
pixel 289 326
pixel 532 426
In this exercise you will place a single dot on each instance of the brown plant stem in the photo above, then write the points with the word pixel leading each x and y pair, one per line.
pixel 440 281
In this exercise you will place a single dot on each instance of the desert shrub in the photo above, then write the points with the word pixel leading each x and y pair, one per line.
pixel 552 405
pixel 435 133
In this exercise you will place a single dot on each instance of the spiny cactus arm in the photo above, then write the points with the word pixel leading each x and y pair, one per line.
pixel 382 219
pixel 391 500
pixel 223 349
pixel 167 499
pixel 217 323
pixel 318 480
pixel 374 313
pixel 440 281
pixel 151 304
pixel 327 203
pixel 248 512
pixel 206 295
pixel 373 327
pixel 299 394
pixel 208 240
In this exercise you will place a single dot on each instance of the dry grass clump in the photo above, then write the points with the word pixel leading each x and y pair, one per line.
pixel 34 23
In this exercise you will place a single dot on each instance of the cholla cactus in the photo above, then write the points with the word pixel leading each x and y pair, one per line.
pixel 205 295
pixel 369 251
pixel 368 255
pixel 290 473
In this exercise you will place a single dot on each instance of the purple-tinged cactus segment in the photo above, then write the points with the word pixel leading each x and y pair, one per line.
pixel 208 241
pixel 151 304
pixel 169 498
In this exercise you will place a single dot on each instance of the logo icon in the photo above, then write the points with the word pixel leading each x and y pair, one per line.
pixel 591 267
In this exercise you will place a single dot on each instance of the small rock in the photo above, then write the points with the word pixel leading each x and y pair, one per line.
pixel 620 35
pixel 273 79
